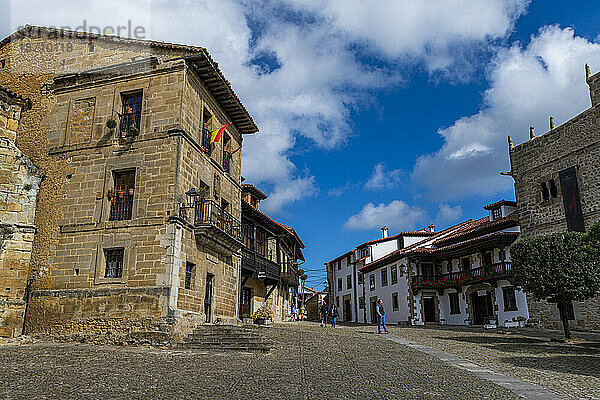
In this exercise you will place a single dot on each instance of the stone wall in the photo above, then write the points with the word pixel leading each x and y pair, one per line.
pixel 19 185
pixel 576 143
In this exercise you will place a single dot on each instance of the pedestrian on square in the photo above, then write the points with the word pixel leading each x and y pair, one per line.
pixel 380 317
pixel 324 312
pixel 334 315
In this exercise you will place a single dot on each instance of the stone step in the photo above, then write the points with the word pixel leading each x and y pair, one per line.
pixel 225 338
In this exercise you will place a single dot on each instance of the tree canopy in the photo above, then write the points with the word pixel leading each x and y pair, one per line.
pixel 559 267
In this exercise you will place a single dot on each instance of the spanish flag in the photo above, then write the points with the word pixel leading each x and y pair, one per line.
pixel 215 135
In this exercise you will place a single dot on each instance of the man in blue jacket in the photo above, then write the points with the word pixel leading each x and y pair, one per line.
pixel 380 316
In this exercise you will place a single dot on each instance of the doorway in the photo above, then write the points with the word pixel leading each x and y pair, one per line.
pixel 245 308
pixel 374 309
pixel 482 307
pixel 347 309
pixel 208 297
pixel 429 309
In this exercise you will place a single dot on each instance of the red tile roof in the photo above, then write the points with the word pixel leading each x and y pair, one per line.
pixel 480 227
pixel 247 187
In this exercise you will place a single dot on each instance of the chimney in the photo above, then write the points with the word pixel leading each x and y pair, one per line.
pixel 551 123
pixel 431 228
pixel 531 132
pixel 384 231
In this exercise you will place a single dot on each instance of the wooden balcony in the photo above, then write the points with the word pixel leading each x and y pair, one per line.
pixel 457 279
pixel 254 264
pixel 290 278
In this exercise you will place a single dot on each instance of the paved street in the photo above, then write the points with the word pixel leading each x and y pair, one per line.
pixel 307 362
pixel 571 370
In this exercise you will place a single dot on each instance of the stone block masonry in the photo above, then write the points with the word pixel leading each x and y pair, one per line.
pixel 535 167
pixel 111 248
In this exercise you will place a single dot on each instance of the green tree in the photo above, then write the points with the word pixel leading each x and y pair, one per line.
pixel 559 268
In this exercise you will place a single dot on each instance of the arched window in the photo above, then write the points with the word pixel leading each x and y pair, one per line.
pixel 553 190
pixel 545 192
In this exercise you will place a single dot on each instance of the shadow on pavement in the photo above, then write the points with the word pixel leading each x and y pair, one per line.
pixel 571 364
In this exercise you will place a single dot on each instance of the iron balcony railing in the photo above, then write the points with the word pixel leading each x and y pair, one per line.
pixel 458 278
pixel 121 204
pixel 205 142
pixel 207 212
pixel 226 161
pixel 255 262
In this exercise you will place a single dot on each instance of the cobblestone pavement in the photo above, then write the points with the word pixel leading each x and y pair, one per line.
pixel 307 361
pixel 571 370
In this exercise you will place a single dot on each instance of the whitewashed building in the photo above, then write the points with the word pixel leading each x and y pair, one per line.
pixel 459 276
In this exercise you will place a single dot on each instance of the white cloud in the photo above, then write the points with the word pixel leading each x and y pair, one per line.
pixel 447 214
pixel 383 178
pixel 546 78
pixel 396 214
pixel 318 78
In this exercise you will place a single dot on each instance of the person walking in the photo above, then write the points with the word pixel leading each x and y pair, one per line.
pixel 324 312
pixel 380 317
pixel 334 315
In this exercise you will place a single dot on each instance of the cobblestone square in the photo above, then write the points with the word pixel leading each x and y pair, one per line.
pixel 306 362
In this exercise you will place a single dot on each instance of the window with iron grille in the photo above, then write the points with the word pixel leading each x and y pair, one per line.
pixel 510 300
pixel 394 274
pixel 131 116
pixel 349 282
pixel 121 198
pixel 114 263
pixel 189 275
pixel 339 284
pixel 454 305
pixel 384 280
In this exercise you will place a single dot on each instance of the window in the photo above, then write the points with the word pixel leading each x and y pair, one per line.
pixel 384 281
pixel 361 303
pixel 487 258
pixel 510 301
pixel 339 265
pixel 206 129
pixel 226 153
pixel 131 116
pixel 553 189
pixel 349 282
pixel 348 260
pixel 361 278
pixel 395 306
pixel 90 47
pixel 454 305
pixel 189 275
pixel 449 266
pixel 114 263
pixel 249 236
pixel 394 274
pixel 121 199
pixel 465 263
pixel 339 284
pixel 372 282
pixel 502 255
pixel 497 213
pixel 337 301
pixel 2 64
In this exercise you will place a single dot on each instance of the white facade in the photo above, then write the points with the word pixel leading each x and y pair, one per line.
pixel 460 276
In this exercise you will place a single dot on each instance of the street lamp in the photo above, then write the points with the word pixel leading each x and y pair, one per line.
pixel 191 195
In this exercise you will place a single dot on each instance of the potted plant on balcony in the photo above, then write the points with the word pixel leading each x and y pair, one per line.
pixel 262 315
pixel 131 191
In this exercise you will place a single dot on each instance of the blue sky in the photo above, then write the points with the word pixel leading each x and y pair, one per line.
pixel 393 112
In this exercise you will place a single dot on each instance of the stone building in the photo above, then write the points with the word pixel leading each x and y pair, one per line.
pixel 270 258
pixel 139 215
pixel 556 186
pixel 19 185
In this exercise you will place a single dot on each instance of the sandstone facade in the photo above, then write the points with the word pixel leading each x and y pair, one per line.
pixel 19 185
pixel 118 127
pixel 535 167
